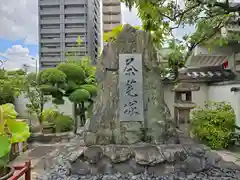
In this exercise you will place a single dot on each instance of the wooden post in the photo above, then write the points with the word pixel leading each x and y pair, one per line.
pixel 177 97
pixel 28 172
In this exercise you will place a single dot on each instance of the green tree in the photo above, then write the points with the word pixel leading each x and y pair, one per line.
pixel 176 58
pixel 37 99
pixel 72 79
pixel 112 35
pixel 207 16
pixel 11 85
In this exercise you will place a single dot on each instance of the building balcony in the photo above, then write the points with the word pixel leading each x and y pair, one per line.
pixel 50 59
pixel 75 30
pixel 73 40
pixel 46 50
pixel 109 27
pixel 111 18
pixel 50 21
pixel 74 21
pixel 75 11
pixel 50 12
pixel 75 49
pixel 72 2
pixel 110 2
pixel 50 40
pixel 50 31
pixel 112 10
pixel 49 2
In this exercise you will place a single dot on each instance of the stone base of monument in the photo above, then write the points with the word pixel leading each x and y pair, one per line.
pixel 140 161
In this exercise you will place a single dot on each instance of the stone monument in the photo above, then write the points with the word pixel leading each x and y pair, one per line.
pixel 130 105
pixel 130 109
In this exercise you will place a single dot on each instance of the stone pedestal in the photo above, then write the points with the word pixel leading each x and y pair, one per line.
pixel 139 161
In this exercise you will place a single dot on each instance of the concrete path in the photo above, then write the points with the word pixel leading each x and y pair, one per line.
pixel 230 156
pixel 37 153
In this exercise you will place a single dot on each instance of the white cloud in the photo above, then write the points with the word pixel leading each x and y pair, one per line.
pixel 130 17
pixel 17 56
pixel 19 20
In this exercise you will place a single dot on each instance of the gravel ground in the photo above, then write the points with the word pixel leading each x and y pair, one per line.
pixel 211 174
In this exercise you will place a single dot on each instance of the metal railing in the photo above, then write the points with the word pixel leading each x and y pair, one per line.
pixel 22 170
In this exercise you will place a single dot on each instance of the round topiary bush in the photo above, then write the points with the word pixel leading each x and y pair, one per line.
pixel 73 71
pixel 79 96
pixel 92 89
pixel 63 123
pixel 49 115
pixel 214 124
pixel 51 76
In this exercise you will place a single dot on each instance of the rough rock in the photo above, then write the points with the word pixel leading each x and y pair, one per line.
pixel 147 162
pixel 105 167
pixel 173 153
pixel 80 168
pixel 194 151
pixel 193 164
pixel 75 154
pixel 212 158
pixel 129 167
pixel 93 154
pixel 161 169
pixel 90 138
pixel 148 155
pixel 117 154
pixel 87 125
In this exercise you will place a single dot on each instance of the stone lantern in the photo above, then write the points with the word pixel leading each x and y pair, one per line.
pixel 183 104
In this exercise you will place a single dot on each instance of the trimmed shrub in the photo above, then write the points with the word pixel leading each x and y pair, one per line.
pixel 79 96
pixel 214 124
pixel 63 123
pixel 49 115
pixel 51 76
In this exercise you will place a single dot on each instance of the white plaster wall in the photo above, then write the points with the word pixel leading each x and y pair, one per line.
pixel 21 101
pixel 227 51
pixel 198 97
pixel 222 93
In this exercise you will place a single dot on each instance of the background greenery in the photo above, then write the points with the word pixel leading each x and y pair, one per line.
pixel 214 124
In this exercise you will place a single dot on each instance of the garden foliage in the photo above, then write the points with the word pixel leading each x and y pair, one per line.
pixel 73 79
pixel 214 124
pixel 11 130
pixel 60 122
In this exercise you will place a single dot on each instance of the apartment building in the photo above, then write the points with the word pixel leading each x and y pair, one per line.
pixel 112 17
pixel 61 22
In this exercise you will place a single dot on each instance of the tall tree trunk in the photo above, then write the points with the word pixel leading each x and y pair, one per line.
pixel 75 109
pixel 41 108
pixel 82 113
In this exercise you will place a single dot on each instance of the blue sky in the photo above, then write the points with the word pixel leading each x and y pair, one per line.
pixel 6 43
pixel 19 31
